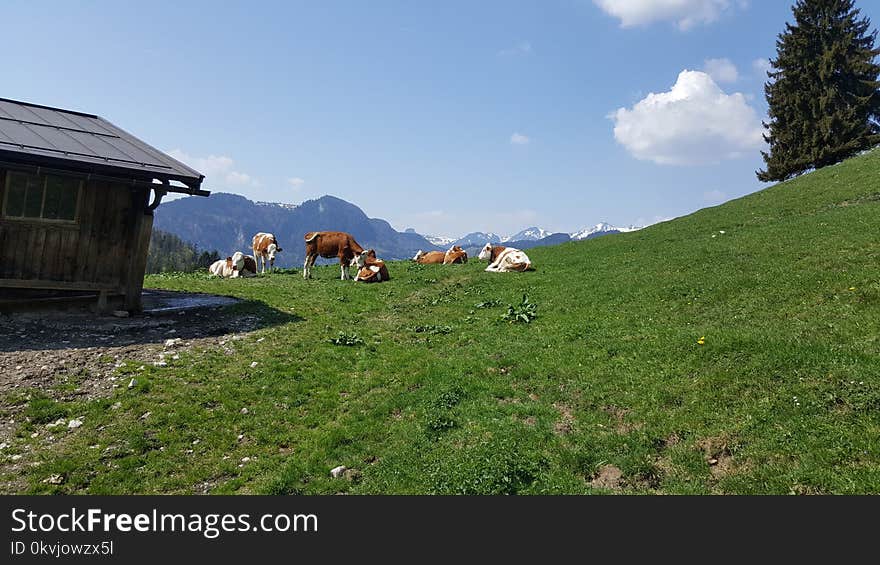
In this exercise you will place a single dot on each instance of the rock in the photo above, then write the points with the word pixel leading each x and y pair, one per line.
pixel 121 313
pixel 713 461
pixel 254 364
pixel 116 406
pixel 160 364
pixel 74 424
pixel 145 415
pixel 4 445
pixel 16 457
pixel 337 472
pixel 245 459
pixel 244 410
pixel 172 342
pixel 58 422
pixel 260 339
pixel 53 480
pixel 131 383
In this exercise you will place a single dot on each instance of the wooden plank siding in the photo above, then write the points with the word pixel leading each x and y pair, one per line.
pixel 104 248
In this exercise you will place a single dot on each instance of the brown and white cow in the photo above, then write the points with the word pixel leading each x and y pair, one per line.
pixel 429 258
pixel 455 254
pixel 504 259
pixel 329 244
pixel 370 269
pixel 265 247
pixel 237 265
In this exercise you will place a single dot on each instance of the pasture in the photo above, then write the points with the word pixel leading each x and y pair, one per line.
pixel 735 350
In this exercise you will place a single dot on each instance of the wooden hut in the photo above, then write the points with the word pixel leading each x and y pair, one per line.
pixel 77 196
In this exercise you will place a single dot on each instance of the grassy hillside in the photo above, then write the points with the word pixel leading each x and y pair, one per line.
pixel 735 350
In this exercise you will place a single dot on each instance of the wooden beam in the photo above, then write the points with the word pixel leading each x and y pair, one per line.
pixel 57 285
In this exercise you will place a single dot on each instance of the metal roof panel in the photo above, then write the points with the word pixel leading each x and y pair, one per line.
pixel 84 139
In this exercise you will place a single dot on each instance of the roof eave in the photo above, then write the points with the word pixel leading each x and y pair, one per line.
pixel 192 185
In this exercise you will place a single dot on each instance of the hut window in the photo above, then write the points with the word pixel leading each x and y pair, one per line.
pixel 47 197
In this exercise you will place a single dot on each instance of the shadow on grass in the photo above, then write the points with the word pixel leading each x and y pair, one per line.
pixel 26 331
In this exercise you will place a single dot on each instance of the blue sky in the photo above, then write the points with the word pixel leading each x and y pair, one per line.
pixel 446 117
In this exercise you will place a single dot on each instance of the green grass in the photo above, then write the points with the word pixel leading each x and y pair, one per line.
pixel 427 383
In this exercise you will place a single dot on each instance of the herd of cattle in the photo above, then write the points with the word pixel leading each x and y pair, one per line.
pixel 329 244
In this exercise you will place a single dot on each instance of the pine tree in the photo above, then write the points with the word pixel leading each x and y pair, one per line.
pixel 824 94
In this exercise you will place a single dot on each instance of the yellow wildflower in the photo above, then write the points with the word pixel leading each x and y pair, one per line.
pixel 702 340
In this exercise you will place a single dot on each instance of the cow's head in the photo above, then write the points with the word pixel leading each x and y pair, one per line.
pixel 236 263
pixel 360 260
pixel 485 252
pixel 419 255
pixel 271 251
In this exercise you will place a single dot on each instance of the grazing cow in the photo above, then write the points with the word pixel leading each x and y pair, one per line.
pixel 329 244
pixel 455 254
pixel 504 259
pixel 265 247
pixel 238 265
pixel 370 269
pixel 429 258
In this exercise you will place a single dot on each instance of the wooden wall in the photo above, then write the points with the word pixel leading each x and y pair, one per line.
pixel 103 247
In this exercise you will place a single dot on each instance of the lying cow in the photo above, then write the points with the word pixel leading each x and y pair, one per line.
pixel 429 258
pixel 265 247
pixel 370 269
pixel 504 259
pixel 455 254
pixel 329 244
pixel 238 265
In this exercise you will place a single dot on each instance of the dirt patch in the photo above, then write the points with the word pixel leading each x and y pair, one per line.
pixel 75 355
pixel 621 426
pixel 607 477
pixel 565 424
pixel 717 455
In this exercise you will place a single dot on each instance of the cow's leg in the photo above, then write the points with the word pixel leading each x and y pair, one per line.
pixel 306 269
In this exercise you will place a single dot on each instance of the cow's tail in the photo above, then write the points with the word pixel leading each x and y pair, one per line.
pixel 311 236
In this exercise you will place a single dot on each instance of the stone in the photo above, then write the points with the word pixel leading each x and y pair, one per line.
pixel 337 472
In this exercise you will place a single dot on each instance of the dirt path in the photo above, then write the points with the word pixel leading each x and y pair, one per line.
pixel 42 350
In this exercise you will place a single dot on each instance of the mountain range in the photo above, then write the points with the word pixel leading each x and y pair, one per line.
pixel 227 222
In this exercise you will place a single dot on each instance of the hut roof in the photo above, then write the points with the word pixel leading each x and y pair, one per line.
pixel 52 137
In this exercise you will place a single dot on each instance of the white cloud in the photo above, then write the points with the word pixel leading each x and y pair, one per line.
pixel 761 67
pixel 519 139
pixel 693 123
pixel 685 13
pixel 296 182
pixel 216 168
pixel 721 70
pixel 521 48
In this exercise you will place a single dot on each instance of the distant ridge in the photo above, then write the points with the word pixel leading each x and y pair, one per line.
pixel 227 222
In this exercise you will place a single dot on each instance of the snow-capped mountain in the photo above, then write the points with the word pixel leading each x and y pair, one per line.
pixel 601 228
pixel 479 239
pixel 440 240
pixel 529 234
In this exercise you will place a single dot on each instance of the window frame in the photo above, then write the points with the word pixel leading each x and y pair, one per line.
pixel 42 183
